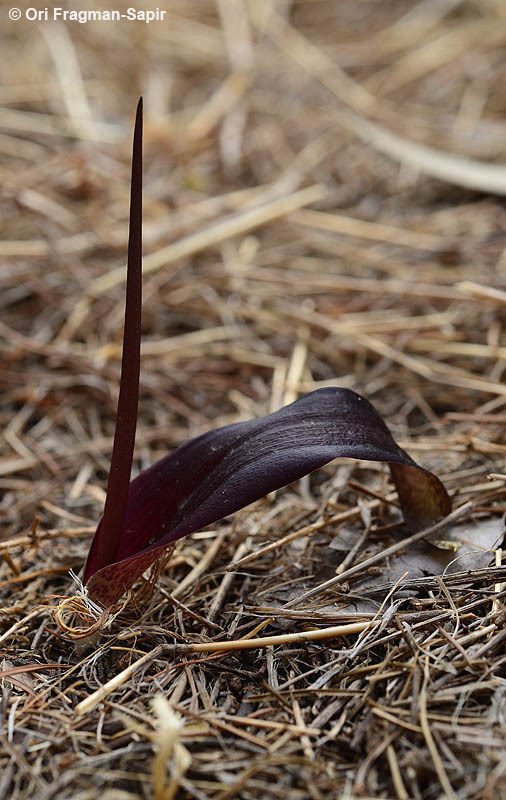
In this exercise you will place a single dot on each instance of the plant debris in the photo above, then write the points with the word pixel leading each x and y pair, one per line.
pixel 298 235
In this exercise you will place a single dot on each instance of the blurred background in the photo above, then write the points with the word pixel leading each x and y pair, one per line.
pixel 323 179
pixel 323 205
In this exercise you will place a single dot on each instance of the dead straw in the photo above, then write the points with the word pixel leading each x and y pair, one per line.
pixel 320 208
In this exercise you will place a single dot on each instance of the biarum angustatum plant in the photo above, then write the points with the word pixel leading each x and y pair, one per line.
pixel 225 469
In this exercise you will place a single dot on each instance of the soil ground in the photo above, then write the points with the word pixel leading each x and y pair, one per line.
pixel 323 205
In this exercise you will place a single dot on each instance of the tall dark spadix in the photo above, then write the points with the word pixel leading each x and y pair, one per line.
pixel 126 419
pixel 225 469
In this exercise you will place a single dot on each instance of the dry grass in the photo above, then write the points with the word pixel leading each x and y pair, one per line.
pixel 322 206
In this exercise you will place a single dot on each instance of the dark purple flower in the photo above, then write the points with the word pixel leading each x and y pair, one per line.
pixel 227 468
